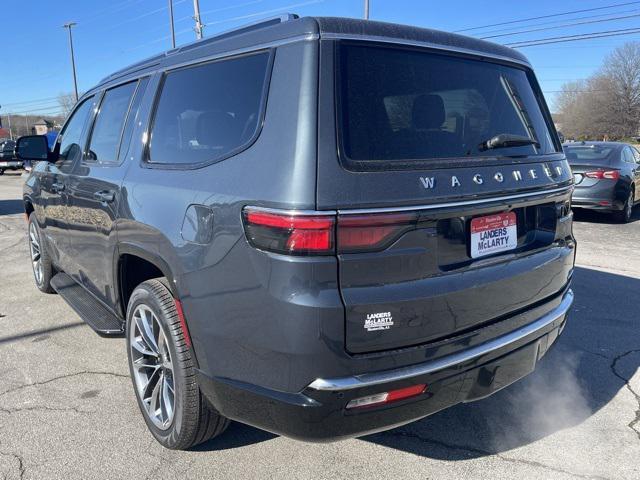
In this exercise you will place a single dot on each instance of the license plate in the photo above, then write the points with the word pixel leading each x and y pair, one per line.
pixel 493 234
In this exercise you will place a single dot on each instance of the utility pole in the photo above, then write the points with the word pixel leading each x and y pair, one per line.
pixel 366 9
pixel 196 17
pixel 10 132
pixel 173 32
pixel 69 26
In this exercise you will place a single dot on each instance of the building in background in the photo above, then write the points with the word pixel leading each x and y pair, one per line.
pixel 42 127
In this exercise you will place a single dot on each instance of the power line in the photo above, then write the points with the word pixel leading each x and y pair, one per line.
pixel 547 16
pixel 562 26
pixel 37 100
pixel 573 38
pixel 554 22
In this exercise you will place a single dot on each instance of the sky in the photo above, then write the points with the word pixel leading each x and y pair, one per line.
pixel 112 34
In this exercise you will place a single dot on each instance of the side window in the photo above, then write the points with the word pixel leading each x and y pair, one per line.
pixel 627 155
pixel 109 124
pixel 131 118
pixel 209 111
pixel 636 154
pixel 70 137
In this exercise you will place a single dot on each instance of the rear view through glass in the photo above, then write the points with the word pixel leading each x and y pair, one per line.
pixel 402 107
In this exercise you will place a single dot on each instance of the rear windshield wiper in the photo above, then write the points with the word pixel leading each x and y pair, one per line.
pixel 505 140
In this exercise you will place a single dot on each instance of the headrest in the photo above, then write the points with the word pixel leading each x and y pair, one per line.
pixel 217 128
pixel 428 112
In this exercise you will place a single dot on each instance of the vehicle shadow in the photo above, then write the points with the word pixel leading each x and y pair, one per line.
pixel 598 351
pixel 11 207
pixel 237 435
pixel 594 216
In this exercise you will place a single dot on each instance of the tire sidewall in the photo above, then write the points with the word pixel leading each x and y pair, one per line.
pixel 47 268
pixel 144 295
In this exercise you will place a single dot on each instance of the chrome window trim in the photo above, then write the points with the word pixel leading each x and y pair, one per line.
pixel 417 43
pixel 377 378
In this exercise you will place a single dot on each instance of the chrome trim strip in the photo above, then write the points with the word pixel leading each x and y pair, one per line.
pixel 377 378
pixel 416 43
pixel 461 203
pixel 292 212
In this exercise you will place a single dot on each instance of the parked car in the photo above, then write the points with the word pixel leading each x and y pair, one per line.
pixel 320 227
pixel 8 161
pixel 607 176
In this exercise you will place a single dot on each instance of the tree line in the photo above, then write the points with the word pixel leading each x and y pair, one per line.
pixel 605 106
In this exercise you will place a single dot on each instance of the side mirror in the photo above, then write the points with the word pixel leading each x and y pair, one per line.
pixel 32 147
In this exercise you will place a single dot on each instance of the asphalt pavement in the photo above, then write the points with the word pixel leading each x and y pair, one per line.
pixel 67 407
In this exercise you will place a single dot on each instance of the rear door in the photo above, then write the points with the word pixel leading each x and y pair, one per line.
pixel 94 190
pixel 436 227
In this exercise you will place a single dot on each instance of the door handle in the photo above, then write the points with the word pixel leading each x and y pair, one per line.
pixel 57 187
pixel 105 196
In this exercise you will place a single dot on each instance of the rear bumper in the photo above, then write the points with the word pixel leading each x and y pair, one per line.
pixel 604 195
pixel 318 412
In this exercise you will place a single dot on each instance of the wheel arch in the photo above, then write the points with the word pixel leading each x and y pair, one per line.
pixel 132 266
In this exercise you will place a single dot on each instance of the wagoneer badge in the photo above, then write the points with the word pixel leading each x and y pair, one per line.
pixel 498 177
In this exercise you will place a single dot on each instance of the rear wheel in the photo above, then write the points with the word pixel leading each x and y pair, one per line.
pixel 162 371
pixel 1 172
pixel 41 265
pixel 624 215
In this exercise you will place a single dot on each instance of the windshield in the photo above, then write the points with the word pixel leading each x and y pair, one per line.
pixel 399 105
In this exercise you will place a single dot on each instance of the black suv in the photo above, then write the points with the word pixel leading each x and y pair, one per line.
pixel 321 227
pixel 8 161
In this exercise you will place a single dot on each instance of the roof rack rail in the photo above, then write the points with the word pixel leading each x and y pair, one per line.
pixel 249 27
pixel 265 22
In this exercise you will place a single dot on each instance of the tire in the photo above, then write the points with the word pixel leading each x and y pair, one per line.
pixel 168 361
pixel 624 215
pixel 41 265
pixel 1 172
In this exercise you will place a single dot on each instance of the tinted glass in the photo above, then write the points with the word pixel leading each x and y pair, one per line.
pixel 596 154
pixel 400 105
pixel 208 111
pixel 627 155
pixel 69 138
pixel 131 118
pixel 109 123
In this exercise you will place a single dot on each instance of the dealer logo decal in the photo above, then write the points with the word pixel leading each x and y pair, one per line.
pixel 378 321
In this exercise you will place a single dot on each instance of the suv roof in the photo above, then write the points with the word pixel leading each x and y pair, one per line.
pixel 289 26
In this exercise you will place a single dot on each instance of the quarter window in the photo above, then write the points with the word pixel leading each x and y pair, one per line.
pixel 210 111
pixel 109 123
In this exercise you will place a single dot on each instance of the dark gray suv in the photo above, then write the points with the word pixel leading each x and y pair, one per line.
pixel 320 227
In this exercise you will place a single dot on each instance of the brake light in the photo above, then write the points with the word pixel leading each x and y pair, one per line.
pixel 387 397
pixel 290 233
pixel 297 233
pixel 357 233
pixel 603 174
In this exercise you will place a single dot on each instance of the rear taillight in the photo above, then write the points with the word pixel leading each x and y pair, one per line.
pixel 289 233
pixel 357 233
pixel 603 174
pixel 297 233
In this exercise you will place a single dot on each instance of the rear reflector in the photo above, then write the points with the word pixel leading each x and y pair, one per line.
pixel 387 397
pixel 603 174
pixel 294 234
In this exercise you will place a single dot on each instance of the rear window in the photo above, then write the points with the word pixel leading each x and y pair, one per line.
pixel 588 154
pixel 209 111
pixel 404 107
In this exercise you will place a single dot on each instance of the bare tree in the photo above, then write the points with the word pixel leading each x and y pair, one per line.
pixel 606 105
pixel 66 101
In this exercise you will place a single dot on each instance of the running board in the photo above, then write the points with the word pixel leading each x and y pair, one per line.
pixel 96 315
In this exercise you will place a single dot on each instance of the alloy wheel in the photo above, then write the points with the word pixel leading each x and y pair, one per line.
pixel 152 367
pixel 629 207
pixel 36 253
